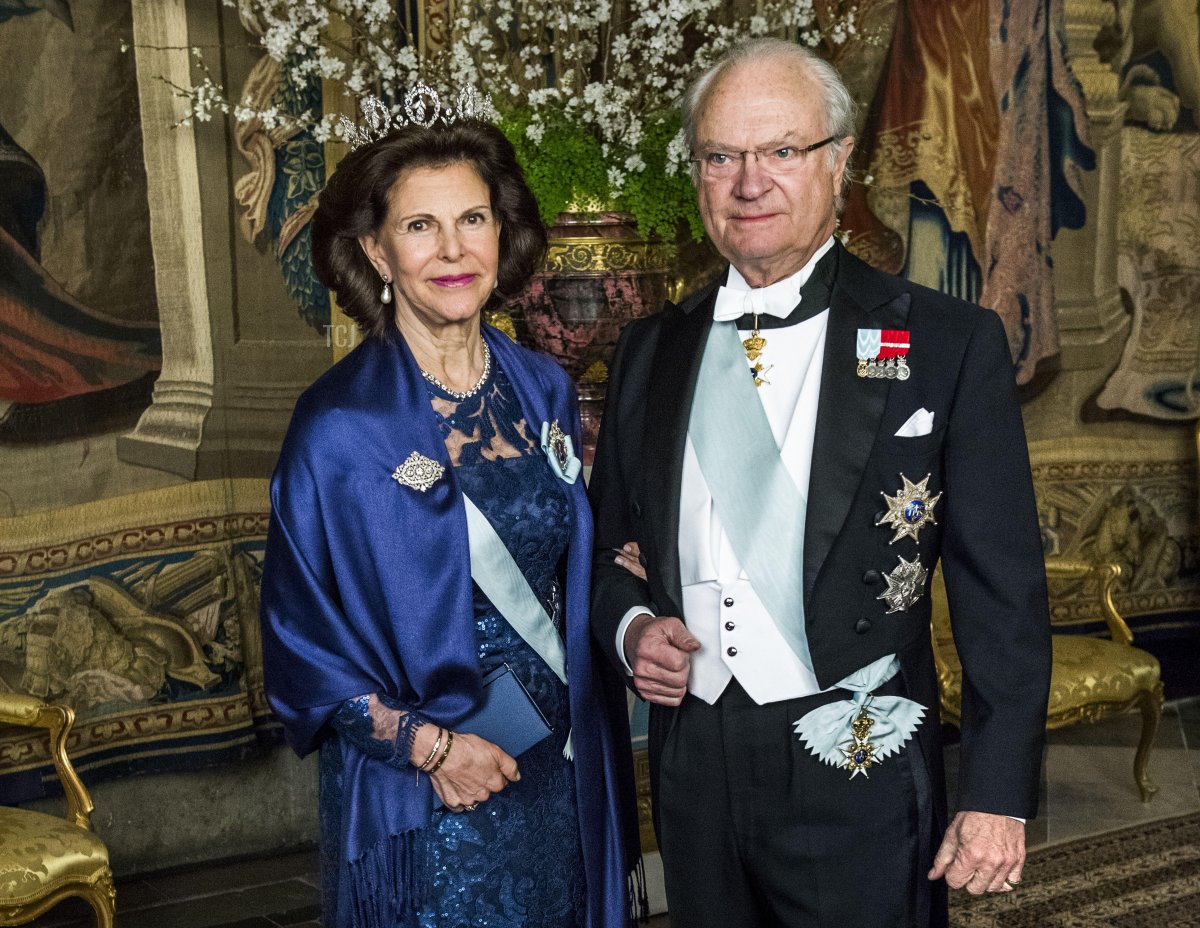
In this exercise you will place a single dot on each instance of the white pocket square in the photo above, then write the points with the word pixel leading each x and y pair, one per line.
pixel 918 424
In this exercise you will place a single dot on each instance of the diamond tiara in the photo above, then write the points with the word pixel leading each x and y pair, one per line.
pixel 422 107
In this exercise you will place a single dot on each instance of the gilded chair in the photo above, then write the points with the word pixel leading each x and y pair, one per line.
pixel 45 859
pixel 1091 679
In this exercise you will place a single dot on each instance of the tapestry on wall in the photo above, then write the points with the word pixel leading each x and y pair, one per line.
pixel 973 152
pixel 79 337
pixel 146 625
pixel 286 173
pixel 1127 502
pixel 1158 267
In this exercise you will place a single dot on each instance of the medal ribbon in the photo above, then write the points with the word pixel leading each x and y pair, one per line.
pixel 827 730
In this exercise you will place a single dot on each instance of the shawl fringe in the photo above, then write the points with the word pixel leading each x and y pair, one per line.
pixel 389 884
pixel 639 897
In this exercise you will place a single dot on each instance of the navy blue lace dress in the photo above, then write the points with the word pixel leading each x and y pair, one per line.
pixel 515 862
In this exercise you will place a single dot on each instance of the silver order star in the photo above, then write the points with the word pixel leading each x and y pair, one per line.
pixel 905 584
pixel 900 517
pixel 418 472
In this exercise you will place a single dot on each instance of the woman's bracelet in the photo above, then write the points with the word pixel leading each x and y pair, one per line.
pixel 437 745
pixel 445 753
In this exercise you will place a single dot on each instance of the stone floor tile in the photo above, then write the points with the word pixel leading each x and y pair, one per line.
pixel 1091 789
pixel 217 878
pixel 226 908
pixel 297 916
pixel 1121 731
pixel 1189 723
pixel 137 894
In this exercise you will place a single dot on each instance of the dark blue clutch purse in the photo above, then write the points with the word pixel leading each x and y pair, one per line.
pixel 508 717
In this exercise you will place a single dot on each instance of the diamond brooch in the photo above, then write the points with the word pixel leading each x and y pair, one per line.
pixel 418 472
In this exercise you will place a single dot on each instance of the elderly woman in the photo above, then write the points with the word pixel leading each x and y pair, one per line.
pixel 428 530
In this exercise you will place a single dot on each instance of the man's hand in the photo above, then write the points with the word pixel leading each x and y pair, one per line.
pixel 630 557
pixel 659 649
pixel 981 851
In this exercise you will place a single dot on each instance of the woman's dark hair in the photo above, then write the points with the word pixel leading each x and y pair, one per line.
pixel 355 203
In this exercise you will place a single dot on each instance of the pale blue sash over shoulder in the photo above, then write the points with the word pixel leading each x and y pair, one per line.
pixel 497 574
pixel 748 483
pixel 762 512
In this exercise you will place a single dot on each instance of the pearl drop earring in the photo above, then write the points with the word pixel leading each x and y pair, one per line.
pixel 385 295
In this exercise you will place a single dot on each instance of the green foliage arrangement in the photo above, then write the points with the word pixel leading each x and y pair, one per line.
pixel 567 172
pixel 586 89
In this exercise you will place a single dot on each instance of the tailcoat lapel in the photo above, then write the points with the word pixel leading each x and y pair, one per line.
pixel 850 407
pixel 672 384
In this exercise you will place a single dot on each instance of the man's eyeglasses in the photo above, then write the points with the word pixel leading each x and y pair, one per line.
pixel 713 163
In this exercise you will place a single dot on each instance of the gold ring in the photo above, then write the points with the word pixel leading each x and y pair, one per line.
pixel 471 808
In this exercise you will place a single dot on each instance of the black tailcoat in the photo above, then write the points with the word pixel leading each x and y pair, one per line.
pixel 986 535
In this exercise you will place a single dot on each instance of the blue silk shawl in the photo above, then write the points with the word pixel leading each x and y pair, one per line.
pixel 367 588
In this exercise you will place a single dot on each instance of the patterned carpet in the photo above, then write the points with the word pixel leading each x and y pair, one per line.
pixel 1142 877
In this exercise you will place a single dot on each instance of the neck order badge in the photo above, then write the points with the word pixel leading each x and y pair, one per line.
pixel 883 353
pixel 754 346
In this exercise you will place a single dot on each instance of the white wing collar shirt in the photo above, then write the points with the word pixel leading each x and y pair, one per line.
pixel 738 637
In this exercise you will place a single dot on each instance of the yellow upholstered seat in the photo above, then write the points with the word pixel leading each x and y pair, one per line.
pixel 1091 670
pixel 45 859
pixel 1091 678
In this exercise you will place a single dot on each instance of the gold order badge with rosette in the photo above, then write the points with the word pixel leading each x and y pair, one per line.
pixel 860 755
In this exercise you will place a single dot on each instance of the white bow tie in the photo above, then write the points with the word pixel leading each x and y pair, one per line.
pixel 778 300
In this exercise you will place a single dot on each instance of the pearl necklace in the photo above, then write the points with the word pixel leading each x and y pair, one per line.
pixel 487 369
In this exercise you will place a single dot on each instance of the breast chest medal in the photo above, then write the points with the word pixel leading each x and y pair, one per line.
pixel 883 353
pixel 910 510
pixel 905 584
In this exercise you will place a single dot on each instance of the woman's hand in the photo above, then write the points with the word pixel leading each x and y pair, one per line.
pixel 472 771
pixel 629 556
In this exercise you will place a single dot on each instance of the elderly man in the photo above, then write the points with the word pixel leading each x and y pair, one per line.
pixel 793 448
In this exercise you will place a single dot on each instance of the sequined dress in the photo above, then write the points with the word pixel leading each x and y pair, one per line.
pixel 516 861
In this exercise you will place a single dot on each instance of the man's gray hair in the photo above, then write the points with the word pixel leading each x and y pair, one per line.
pixel 838 105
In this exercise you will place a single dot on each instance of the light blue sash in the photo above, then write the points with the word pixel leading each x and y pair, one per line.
pixel 760 507
pixel 497 574
pixel 762 512
pixel 824 729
